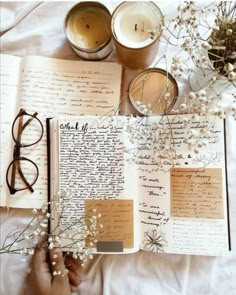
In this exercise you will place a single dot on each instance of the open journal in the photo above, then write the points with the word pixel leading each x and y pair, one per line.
pixel 114 164
pixel 50 87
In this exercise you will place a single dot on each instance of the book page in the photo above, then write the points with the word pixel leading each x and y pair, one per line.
pixel 9 79
pixel 69 87
pixel 91 164
pixel 184 198
pixel 58 87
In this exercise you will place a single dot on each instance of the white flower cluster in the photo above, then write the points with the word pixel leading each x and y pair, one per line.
pixel 79 236
pixel 154 137
pixel 143 108
pixel 178 67
pixel 24 242
pixel 230 72
pixel 207 48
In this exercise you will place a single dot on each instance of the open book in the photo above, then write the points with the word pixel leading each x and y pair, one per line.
pixel 174 202
pixel 50 87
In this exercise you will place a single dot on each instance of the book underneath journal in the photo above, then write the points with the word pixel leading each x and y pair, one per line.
pixel 145 203
pixel 51 87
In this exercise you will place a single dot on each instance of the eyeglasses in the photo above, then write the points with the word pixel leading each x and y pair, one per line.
pixel 22 173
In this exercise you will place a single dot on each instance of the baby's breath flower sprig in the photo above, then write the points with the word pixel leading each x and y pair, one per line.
pixel 207 38
pixel 154 137
pixel 154 141
pixel 18 242
pixel 75 234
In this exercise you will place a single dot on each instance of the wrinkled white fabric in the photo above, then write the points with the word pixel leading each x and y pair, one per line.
pixel 36 28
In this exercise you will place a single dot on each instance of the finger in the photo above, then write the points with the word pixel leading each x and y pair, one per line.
pixel 57 264
pixel 40 252
pixel 39 259
pixel 40 274
pixel 73 288
pixel 60 280
pixel 72 264
pixel 74 278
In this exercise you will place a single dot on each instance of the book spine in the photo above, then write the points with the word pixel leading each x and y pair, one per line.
pixel 48 167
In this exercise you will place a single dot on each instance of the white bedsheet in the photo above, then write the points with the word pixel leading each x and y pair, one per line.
pixel 36 28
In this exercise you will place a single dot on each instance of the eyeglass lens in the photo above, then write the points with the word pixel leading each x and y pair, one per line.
pixel 27 130
pixel 24 169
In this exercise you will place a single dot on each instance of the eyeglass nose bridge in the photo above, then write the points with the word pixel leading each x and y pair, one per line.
pixel 16 152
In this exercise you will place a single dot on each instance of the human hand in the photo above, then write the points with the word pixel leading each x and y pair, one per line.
pixel 51 275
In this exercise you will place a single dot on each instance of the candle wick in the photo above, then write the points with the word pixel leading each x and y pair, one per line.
pixel 135 27
pixel 87 26
pixel 143 27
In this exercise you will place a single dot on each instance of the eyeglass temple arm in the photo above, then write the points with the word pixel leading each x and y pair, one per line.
pixel 18 166
pixel 13 174
pixel 13 171
pixel 28 121
pixel 23 177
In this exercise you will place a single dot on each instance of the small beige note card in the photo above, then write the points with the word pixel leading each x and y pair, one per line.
pixel 196 192
pixel 117 220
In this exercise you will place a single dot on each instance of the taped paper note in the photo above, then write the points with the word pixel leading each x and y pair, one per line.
pixel 196 192
pixel 117 220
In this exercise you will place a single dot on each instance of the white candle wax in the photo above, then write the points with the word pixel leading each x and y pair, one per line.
pixel 137 24
pixel 88 29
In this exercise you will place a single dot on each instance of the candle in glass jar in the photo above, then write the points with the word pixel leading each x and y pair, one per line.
pixel 153 91
pixel 136 28
pixel 87 26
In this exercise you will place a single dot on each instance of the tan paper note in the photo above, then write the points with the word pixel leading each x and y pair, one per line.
pixel 117 220
pixel 196 192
